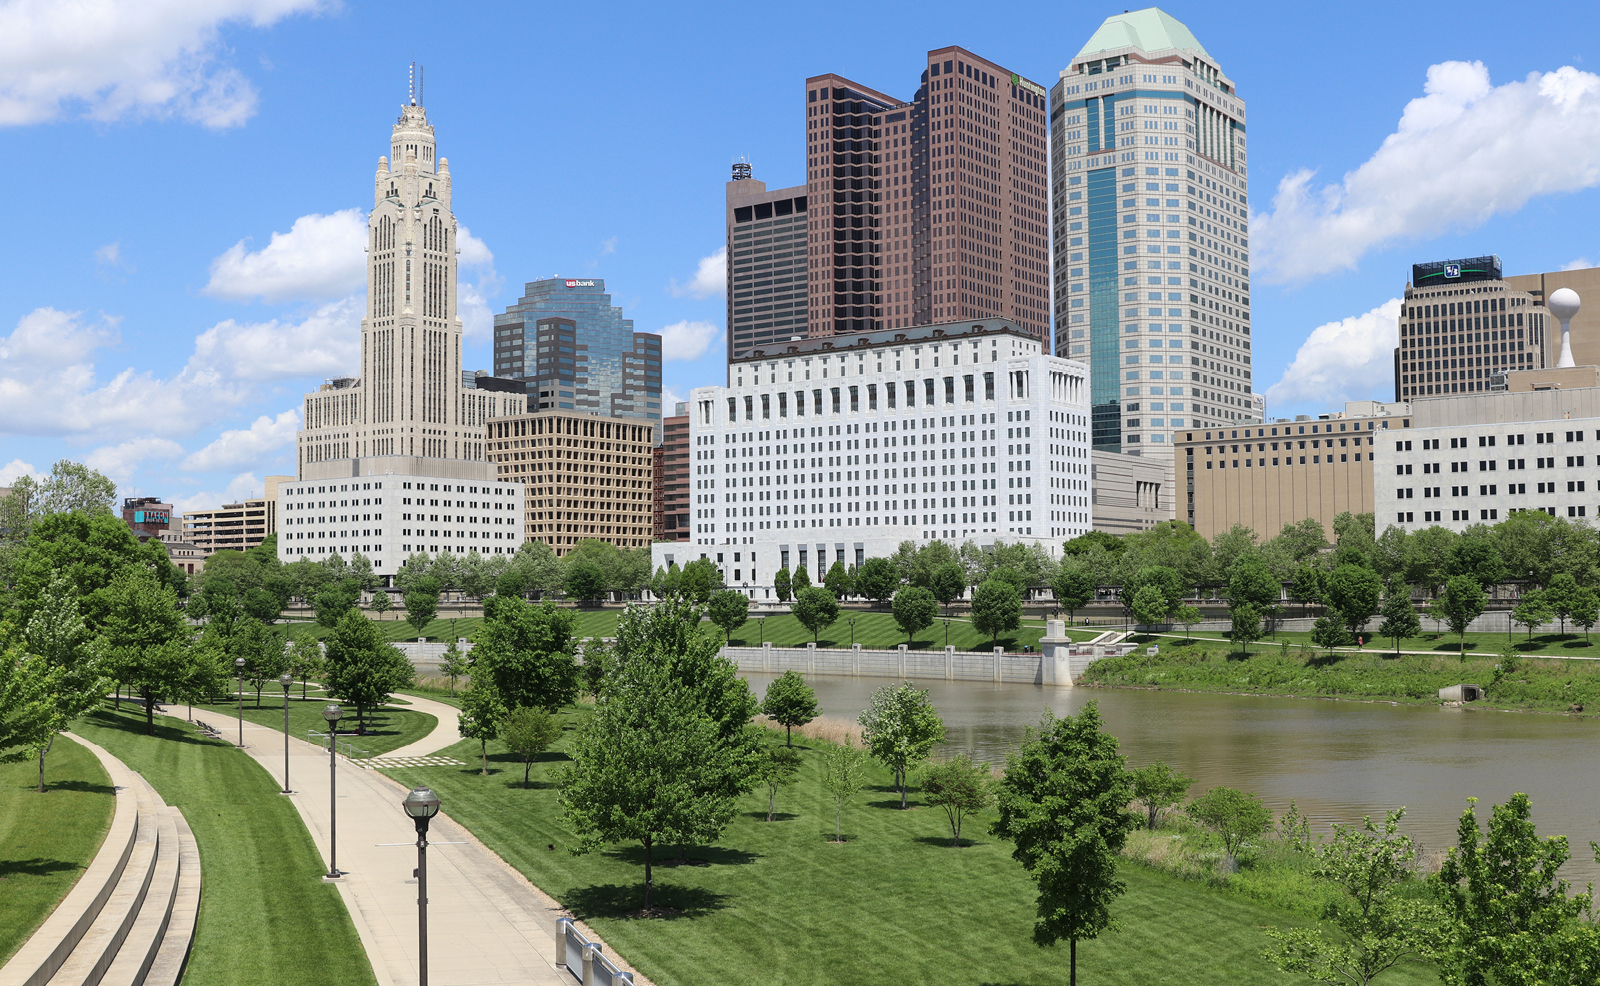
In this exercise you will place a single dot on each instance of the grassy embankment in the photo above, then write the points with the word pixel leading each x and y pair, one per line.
pixel 872 630
pixel 388 728
pixel 47 840
pixel 1290 668
pixel 265 917
pixel 778 902
pixel 1573 644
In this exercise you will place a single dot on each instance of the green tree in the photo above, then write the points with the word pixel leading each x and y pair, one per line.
pixel 27 707
pixel 1331 630
pixel 1399 616
pixel 1074 587
pixel 453 664
pixel 730 610
pixel 801 580
pixel 1251 583
pixel 1149 606
pixel 305 659
pixel 844 770
pixel 900 727
pixel 779 767
pixel 1585 609
pixel 90 551
pixel 698 580
pixel 996 609
pixel 960 787
pixel 266 657
pixel 380 603
pixel 1235 816
pixel 914 611
pixel 73 486
pixel 362 668
pixel 790 702
pixel 1508 917
pixel 585 580
pixel 527 651
pixel 877 579
pixel 334 599
pixel 780 585
pixel 481 713
pixel 1380 925
pixel 1533 610
pixel 1063 801
pixel 947 582
pixel 1561 594
pixel 73 663
pixel 815 609
pixel 1159 787
pixel 148 639
pixel 1354 590
pixel 647 767
pixel 1476 553
pixel 1188 616
pixel 1307 586
pixel 1244 624
pixel 511 582
pixel 1462 602
pixel 839 581
pixel 527 733
pixel 422 604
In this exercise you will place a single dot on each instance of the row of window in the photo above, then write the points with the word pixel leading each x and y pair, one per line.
pixel 1437 516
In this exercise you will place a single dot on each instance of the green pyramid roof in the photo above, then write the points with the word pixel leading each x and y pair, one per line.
pixel 1151 29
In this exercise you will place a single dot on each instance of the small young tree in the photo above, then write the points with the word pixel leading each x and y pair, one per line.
pixel 1074 587
pixel 1159 787
pixel 800 580
pixel 780 585
pixel 454 664
pixel 363 669
pixel 877 579
pixel 1354 590
pixel 422 604
pixel 1585 609
pixel 914 611
pixel 1399 616
pixel 901 727
pixel 960 787
pixel 1381 927
pixel 381 603
pixel 780 767
pixel 305 659
pixel 1149 606
pixel 73 662
pixel 947 582
pixel 815 609
pixel 1245 624
pixel 844 771
pixel 527 650
pixel 1532 611
pixel 1188 616
pixel 839 581
pixel 790 702
pixel 1063 801
pixel 480 717
pixel 730 610
pixel 996 609
pixel 1331 630
pixel 527 733
pixel 266 657
pixel 1234 815
pixel 1561 593
pixel 1462 602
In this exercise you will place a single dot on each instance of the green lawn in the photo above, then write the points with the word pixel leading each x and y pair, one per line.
pixel 47 840
pixel 388 728
pixel 871 630
pixel 265 915
pixel 779 903
pixel 1571 644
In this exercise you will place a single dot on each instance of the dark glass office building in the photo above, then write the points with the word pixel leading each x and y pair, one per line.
pixel 574 350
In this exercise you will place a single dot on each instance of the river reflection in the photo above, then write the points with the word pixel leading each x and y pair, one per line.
pixel 1337 760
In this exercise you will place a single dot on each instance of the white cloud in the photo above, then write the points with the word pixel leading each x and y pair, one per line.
pixel 472 297
pixel 240 447
pixel 120 462
pixel 670 399
pixel 687 340
pixel 116 59
pixel 15 470
pixel 240 487
pixel 326 344
pixel 1345 360
pixel 710 277
pixel 1582 263
pixel 474 252
pixel 110 256
pixel 1462 153
pixel 320 257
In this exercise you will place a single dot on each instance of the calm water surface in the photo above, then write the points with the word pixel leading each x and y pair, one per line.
pixel 1337 760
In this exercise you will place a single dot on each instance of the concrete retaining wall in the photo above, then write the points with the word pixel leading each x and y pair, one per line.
pixel 1057 665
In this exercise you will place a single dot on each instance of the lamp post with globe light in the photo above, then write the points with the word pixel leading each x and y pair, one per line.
pixel 285 680
pixel 332 714
pixel 422 804
pixel 238 666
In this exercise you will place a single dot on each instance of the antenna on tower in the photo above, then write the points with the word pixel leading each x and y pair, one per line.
pixel 411 84
pixel 741 169
pixel 422 78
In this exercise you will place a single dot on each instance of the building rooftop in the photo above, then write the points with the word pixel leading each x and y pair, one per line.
pixel 1151 29
pixel 911 334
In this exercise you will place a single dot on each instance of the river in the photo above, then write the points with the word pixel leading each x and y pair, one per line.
pixel 1337 760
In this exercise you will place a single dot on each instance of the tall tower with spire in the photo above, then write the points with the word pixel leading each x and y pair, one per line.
pixel 409 400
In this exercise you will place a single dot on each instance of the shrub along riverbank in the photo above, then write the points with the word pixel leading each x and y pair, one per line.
pixel 1217 666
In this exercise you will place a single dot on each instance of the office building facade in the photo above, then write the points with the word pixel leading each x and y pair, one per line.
pixel 671 514
pixel 574 351
pixel 931 209
pixel 585 476
pixel 766 262
pixel 1130 493
pixel 386 518
pixel 236 526
pixel 841 449
pixel 1151 232
pixel 1464 327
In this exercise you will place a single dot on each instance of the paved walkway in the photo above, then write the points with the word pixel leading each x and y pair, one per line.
pixel 447 733
pixel 487 924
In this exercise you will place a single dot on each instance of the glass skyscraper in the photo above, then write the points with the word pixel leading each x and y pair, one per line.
pixel 574 350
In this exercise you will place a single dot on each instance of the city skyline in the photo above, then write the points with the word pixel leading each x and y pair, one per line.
pixel 171 354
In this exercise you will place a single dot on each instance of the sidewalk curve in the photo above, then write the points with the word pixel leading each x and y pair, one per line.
pixel 446 733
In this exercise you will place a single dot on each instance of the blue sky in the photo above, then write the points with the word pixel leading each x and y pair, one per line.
pixel 153 325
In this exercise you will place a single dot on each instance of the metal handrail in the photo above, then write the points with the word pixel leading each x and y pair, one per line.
pixel 345 748
pixel 592 967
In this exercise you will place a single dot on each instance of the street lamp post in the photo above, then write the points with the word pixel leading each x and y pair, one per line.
pixel 852 631
pixel 238 665
pixel 332 714
pixel 286 680
pixel 763 622
pixel 947 631
pixel 422 804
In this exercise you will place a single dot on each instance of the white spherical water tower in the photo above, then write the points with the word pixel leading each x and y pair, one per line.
pixel 1563 304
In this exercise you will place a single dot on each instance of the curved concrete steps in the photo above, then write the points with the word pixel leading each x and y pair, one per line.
pixel 130 918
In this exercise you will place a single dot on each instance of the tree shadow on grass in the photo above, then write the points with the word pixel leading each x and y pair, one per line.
pixel 943 841
pixel 35 867
pixel 88 787
pixel 666 855
pixel 618 900
pixel 1576 645
pixel 777 816
pixel 166 728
